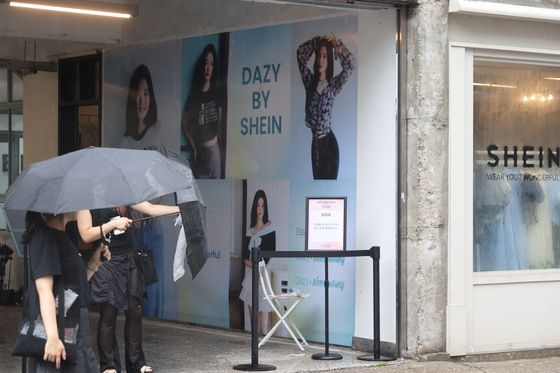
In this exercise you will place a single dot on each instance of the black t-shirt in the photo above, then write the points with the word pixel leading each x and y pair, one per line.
pixel 120 243
pixel 204 108
pixel 51 252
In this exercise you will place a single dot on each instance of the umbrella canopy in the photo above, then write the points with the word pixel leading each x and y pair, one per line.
pixel 94 178
pixel 193 215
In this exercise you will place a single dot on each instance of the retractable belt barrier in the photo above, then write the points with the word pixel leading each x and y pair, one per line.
pixel 257 255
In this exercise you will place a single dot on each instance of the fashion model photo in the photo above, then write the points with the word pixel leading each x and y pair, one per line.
pixel 321 88
pixel 261 233
pixel 145 132
pixel 202 120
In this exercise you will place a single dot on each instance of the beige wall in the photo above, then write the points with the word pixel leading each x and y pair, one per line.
pixel 40 110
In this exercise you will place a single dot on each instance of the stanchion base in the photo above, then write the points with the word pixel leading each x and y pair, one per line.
pixel 372 358
pixel 326 357
pixel 254 367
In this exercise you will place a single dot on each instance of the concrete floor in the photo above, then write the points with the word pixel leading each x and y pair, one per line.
pixel 178 347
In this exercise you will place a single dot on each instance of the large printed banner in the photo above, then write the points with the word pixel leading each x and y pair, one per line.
pixel 266 117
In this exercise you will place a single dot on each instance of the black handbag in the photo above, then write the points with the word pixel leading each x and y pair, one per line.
pixel 31 338
pixel 147 265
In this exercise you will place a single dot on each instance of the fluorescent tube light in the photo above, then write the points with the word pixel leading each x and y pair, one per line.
pixel 81 7
pixel 494 85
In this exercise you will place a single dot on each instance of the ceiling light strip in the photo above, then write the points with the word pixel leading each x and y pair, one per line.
pixel 70 10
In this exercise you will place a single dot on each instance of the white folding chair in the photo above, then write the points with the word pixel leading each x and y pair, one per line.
pixel 279 308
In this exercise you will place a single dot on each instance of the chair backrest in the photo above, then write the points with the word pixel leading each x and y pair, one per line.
pixel 267 287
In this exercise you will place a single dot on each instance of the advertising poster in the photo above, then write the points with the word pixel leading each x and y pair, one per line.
pixel 267 226
pixel 260 115
pixel 204 300
pixel 141 96
pixel 204 104
pixel 245 109
pixel 338 101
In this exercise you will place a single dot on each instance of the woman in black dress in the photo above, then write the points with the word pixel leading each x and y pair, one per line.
pixel 118 285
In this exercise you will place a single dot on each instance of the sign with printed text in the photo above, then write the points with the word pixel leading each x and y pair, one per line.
pixel 325 223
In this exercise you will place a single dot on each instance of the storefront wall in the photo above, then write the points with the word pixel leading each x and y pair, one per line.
pixel 494 308
pixel 376 148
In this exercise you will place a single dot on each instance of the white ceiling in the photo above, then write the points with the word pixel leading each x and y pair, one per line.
pixel 64 35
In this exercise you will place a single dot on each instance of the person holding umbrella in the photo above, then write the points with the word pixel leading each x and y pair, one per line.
pixel 118 285
pixel 93 178
pixel 52 253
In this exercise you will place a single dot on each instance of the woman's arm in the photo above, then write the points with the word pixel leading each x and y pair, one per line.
pixel 154 210
pixel 185 126
pixel 89 233
pixel 95 260
pixel 54 348
pixel 304 53
pixel 348 64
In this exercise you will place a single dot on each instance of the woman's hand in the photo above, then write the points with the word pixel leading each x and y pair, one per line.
pixel 54 351
pixel 95 261
pixel 332 39
pixel 121 223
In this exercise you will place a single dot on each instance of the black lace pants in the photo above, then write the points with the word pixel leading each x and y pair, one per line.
pixel 107 346
pixel 325 157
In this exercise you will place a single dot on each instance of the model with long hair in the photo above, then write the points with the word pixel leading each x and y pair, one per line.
pixel 202 117
pixel 321 87
pixel 144 131
pixel 261 233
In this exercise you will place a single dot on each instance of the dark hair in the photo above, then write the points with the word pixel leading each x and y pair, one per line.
pixel 259 194
pixel 315 78
pixel 140 73
pixel 33 223
pixel 198 77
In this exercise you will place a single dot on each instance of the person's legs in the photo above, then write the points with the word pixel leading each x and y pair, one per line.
pixel 107 346
pixel 134 354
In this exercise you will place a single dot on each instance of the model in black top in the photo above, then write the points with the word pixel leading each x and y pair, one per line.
pixel 202 117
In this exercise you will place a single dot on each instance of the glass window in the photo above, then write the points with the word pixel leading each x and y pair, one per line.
pixel 88 126
pixel 4 169
pixel 17 87
pixel 516 191
pixel 17 143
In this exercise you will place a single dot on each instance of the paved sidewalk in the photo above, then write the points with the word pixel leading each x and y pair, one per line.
pixel 179 347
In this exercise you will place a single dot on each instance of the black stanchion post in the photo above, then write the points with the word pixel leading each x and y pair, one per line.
pixel 376 255
pixel 255 366
pixel 326 355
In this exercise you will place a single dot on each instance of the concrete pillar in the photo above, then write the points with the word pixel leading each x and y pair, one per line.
pixel 427 147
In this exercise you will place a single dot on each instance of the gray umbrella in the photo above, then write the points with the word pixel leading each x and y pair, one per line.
pixel 94 178
pixel 193 215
